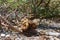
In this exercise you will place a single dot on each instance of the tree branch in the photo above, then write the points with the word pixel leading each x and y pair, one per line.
pixel 10 25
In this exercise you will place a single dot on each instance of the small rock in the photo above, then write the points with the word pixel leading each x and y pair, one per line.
pixel 56 38
pixel 8 35
pixel 17 38
pixel 51 38
pixel 53 33
pixel 7 38
pixel 2 35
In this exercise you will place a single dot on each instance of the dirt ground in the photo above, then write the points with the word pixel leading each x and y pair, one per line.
pixel 43 32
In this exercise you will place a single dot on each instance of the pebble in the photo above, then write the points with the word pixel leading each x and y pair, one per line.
pixel 51 38
pixel 7 35
pixel 7 38
pixel 18 38
pixel 53 33
pixel 56 38
pixel 2 35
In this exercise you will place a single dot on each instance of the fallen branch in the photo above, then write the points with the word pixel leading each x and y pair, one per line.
pixel 10 25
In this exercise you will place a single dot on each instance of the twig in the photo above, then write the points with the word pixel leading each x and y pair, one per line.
pixel 10 25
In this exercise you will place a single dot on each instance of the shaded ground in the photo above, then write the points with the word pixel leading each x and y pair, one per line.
pixel 43 32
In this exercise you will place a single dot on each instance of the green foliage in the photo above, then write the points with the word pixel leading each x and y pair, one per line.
pixel 42 8
pixel 10 0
